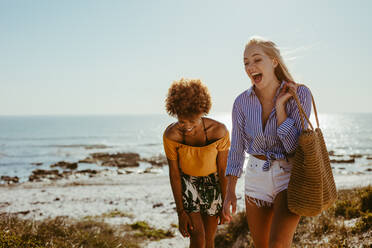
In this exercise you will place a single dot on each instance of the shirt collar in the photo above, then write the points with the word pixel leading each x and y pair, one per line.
pixel 250 91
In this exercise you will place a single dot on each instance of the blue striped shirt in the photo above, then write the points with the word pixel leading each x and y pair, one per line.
pixel 274 142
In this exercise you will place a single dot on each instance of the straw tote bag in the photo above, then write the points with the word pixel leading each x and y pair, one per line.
pixel 311 187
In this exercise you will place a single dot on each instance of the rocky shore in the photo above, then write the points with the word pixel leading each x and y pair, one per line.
pixel 63 169
pixel 114 190
pixel 124 161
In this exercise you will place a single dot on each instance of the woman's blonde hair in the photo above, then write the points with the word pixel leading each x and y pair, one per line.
pixel 271 50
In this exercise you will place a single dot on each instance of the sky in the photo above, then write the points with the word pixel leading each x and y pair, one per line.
pixel 83 57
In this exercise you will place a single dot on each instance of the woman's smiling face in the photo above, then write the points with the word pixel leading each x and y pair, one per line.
pixel 259 67
pixel 188 124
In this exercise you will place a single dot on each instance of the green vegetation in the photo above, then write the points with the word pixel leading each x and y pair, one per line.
pixel 347 224
pixel 144 230
pixel 116 213
pixel 112 214
pixel 237 228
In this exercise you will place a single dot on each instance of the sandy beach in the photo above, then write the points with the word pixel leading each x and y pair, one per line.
pixel 141 196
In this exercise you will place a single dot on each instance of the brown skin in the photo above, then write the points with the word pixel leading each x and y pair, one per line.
pixel 199 227
pixel 270 226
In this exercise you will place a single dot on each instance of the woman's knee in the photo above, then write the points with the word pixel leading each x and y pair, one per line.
pixel 278 242
pixel 209 242
pixel 197 237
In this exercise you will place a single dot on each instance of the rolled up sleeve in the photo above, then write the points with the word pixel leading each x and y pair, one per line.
pixel 289 131
pixel 236 156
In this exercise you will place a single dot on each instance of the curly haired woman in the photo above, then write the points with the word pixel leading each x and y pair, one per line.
pixel 196 148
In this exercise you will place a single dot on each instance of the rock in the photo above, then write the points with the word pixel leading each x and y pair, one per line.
pixel 147 170
pixel 120 160
pixel 37 163
pixel 67 173
pixel 356 155
pixel 345 161
pixel 4 204
pixel 65 165
pixel 157 205
pixel 37 175
pixel 89 171
pixel 89 147
pixel 159 160
pixel 87 160
pixel 110 163
pixel 8 179
pixel 23 212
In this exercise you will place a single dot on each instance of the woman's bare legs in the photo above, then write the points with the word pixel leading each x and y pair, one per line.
pixel 284 223
pixel 210 228
pixel 259 223
pixel 205 227
pixel 197 235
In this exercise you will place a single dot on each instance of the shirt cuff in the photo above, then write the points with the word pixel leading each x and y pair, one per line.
pixel 234 170
pixel 285 127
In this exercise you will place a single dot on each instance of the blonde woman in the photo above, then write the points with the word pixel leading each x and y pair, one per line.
pixel 196 148
pixel 266 125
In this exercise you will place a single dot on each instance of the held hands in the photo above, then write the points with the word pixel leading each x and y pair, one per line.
pixel 222 218
pixel 285 93
pixel 184 223
pixel 230 200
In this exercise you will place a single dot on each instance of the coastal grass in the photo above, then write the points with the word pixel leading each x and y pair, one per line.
pixel 112 214
pixel 63 232
pixel 144 230
pixel 347 224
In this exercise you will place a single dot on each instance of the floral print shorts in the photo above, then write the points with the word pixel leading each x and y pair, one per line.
pixel 201 194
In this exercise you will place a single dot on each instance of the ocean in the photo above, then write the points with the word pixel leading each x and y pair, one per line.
pixel 25 140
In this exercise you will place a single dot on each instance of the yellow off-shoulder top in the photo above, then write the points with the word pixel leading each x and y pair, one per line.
pixel 195 160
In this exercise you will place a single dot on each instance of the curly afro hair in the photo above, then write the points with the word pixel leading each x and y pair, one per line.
pixel 188 97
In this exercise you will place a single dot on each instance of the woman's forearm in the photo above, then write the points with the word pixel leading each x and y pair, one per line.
pixel 223 184
pixel 231 184
pixel 221 166
pixel 281 114
pixel 175 180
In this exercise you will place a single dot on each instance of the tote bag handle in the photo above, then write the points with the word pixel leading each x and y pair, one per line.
pixel 301 110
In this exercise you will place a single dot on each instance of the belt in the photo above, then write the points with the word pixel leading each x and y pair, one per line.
pixel 261 157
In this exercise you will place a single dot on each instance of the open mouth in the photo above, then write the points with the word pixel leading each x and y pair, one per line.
pixel 257 77
pixel 188 129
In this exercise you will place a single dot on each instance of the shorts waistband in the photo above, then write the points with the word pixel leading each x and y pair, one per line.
pixel 260 157
pixel 261 162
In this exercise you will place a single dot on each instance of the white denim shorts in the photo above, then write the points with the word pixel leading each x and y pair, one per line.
pixel 261 187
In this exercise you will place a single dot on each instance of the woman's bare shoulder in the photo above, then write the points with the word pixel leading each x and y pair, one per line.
pixel 216 129
pixel 172 133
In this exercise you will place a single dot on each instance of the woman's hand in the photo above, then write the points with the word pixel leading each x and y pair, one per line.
pixel 230 200
pixel 287 91
pixel 222 219
pixel 184 223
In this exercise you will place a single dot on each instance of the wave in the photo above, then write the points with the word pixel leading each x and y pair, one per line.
pixel 86 146
pixel 152 144
pixel 58 138
pixel 13 164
